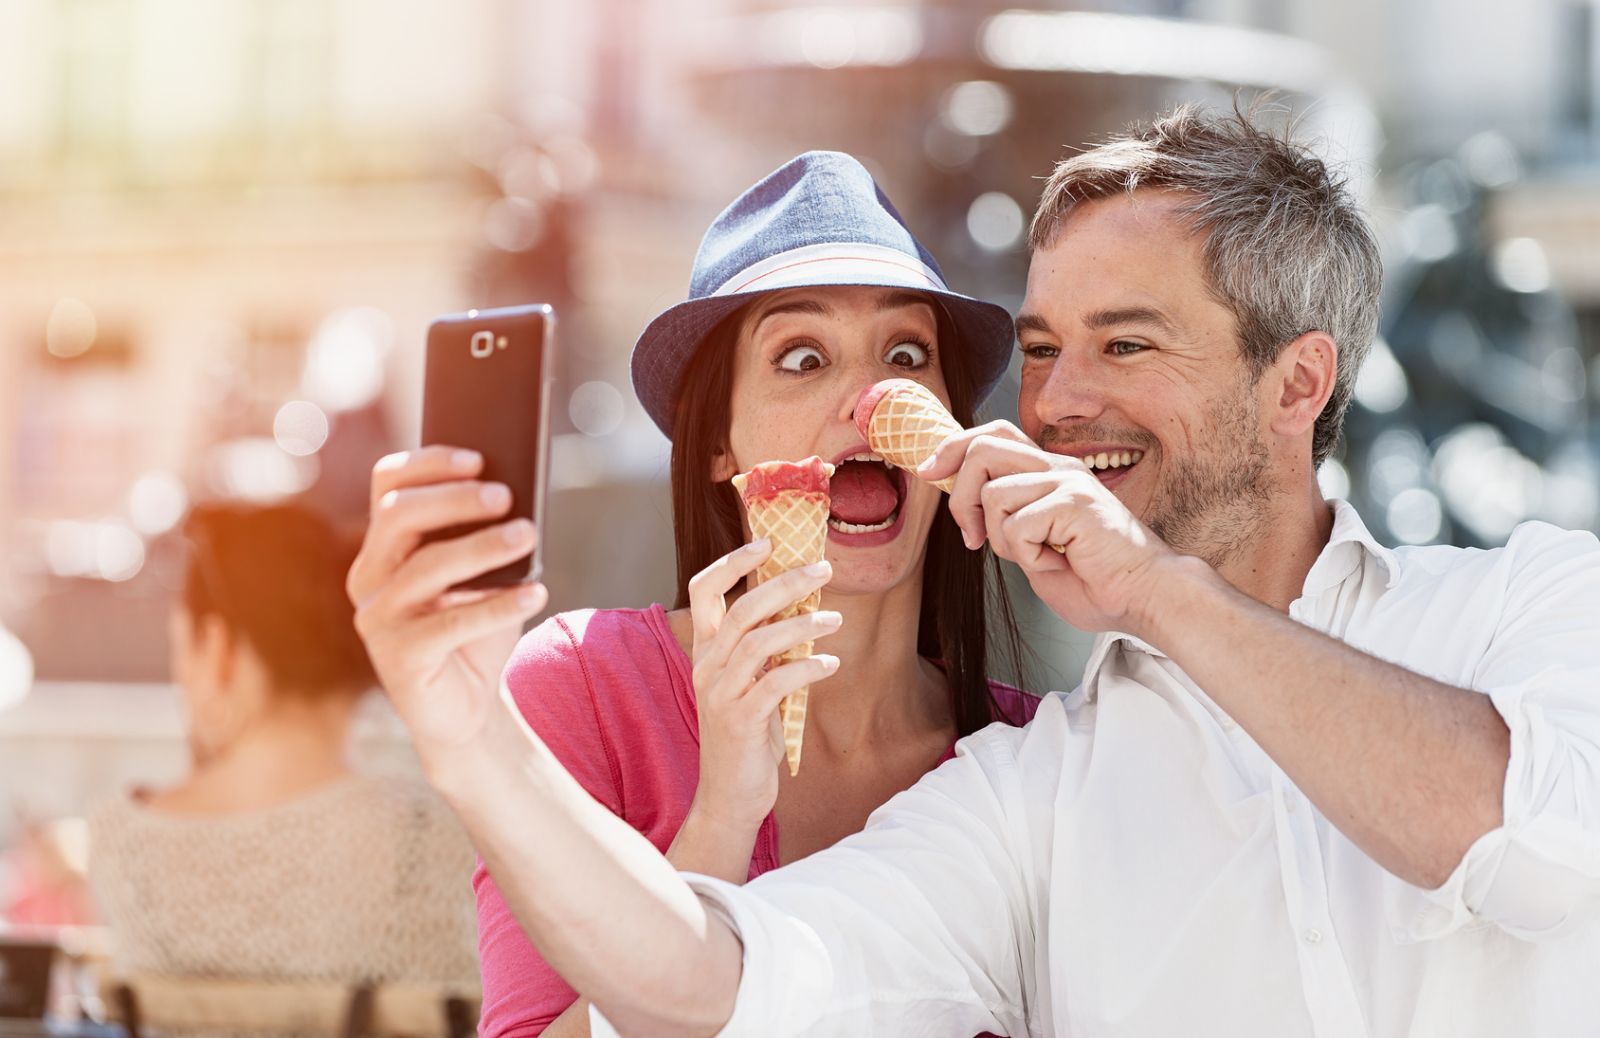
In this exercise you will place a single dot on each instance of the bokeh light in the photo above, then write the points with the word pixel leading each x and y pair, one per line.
pixel 995 221
pixel 300 428
pixel 596 408
pixel 71 329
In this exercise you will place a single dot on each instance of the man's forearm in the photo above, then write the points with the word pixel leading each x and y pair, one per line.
pixel 601 904
pixel 1410 769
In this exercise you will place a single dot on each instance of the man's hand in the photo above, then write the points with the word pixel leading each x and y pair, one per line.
pixel 1086 556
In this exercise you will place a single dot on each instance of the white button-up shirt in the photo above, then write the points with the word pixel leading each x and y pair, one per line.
pixel 1132 864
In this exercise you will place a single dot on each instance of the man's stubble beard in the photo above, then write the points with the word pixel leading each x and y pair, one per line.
pixel 1213 505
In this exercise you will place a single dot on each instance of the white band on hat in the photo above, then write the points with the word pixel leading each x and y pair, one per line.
pixel 834 263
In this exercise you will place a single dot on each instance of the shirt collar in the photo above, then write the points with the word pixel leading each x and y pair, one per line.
pixel 1348 545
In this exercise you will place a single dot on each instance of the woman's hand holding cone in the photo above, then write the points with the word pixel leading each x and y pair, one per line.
pixel 741 741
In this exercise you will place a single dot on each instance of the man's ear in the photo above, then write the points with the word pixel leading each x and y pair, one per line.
pixel 723 467
pixel 1302 380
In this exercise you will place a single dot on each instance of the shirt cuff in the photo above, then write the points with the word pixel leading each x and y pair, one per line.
pixel 787 988
pixel 1541 866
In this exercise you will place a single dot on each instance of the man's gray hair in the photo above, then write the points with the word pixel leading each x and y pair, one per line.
pixel 1286 248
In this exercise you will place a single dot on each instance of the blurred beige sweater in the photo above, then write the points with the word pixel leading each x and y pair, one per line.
pixel 366 879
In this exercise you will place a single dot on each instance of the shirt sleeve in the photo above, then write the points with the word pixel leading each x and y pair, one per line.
pixel 1539 872
pixel 551 686
pixel 923 923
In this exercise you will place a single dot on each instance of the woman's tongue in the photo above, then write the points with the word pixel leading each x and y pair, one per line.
pixel 862 493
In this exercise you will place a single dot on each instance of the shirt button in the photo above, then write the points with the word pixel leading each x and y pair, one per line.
pixel 1312 936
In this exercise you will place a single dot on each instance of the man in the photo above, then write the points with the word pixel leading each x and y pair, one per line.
pixel 1309 785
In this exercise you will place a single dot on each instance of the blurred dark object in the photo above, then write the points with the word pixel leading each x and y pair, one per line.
pixel 1473 413
pixel 25 978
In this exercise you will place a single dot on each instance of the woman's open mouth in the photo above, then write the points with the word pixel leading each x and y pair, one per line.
pixel 866 495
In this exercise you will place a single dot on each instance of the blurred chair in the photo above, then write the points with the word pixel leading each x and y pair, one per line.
pixel 166 1003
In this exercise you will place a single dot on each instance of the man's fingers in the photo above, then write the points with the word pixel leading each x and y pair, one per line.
pixel 437 464
pixel 447 630
pixel 403 515
pixel 988 458
pixel 433 569
pixel 1050 500
pixel 944 462
pixel 1037 535
pixel 708 588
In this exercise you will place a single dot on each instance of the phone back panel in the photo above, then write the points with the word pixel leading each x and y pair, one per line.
pixel 486 387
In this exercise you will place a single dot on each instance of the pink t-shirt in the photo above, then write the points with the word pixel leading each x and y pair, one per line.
pixel 611 692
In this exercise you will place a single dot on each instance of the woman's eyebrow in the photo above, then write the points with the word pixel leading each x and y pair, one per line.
pixel 814 307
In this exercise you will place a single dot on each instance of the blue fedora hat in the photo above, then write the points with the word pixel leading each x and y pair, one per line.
pixel 818 220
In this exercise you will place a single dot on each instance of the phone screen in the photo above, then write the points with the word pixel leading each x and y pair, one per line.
pixel 486 388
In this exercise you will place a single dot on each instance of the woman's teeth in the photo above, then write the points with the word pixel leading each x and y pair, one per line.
pixel 844 527
pixel 1112 459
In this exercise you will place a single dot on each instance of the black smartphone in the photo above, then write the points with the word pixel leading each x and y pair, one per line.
pixel 487 387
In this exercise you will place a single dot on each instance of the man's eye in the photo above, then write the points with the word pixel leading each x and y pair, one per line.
pixel 801 358
pixel 1124 348
pixel 908 355
pixel 1040 351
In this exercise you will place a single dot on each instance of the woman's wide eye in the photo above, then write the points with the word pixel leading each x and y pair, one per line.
pixel 909 355
pixel 801 358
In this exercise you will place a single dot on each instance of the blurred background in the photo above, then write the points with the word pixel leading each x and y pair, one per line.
pixel 226 224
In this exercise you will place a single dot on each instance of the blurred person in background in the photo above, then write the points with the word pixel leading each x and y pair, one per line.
pixel 807 290
pixel 273 859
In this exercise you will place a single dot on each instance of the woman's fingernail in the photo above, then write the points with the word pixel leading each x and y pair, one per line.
pixel 465 460
pixel 927 463
pixel 830 662
pixel 830 618
pixel 518 531
pixel 495 495
pixel 758 545
pixel 819 569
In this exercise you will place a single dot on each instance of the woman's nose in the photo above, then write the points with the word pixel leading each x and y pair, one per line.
pixel 850 394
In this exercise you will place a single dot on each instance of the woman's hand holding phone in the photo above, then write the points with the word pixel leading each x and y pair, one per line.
pixel 439 653
pixel 741 741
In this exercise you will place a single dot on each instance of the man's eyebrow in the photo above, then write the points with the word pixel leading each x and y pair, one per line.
pixel 1130 315
pixel 1027 322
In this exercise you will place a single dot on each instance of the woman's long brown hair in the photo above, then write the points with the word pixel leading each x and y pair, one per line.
pixel 958 603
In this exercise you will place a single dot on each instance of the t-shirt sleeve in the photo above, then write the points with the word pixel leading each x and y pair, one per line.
pixel 550 682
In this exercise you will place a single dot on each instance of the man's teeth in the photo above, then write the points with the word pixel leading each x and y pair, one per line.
pixel 844 527
pixel 1112 459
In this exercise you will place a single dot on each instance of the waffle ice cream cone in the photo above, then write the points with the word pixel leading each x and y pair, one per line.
pixel 787 502
pixel 903 421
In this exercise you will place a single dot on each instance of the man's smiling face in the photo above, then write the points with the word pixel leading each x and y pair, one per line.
pixel 1131 363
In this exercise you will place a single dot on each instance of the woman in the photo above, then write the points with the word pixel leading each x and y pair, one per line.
pixel 271 858
pixel 807 290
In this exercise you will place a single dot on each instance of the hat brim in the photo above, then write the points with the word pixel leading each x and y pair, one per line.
pixel 668 343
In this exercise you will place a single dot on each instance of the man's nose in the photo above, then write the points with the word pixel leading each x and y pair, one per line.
pixel 1073 390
